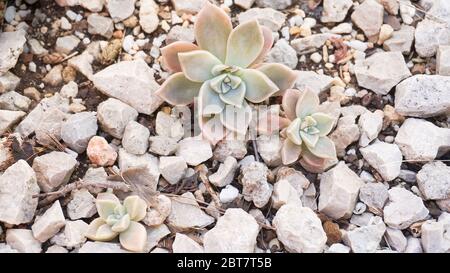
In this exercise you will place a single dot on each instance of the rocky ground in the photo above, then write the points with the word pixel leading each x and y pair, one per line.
pixel 68 131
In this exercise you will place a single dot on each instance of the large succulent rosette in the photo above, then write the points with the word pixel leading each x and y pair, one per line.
pixel 224 70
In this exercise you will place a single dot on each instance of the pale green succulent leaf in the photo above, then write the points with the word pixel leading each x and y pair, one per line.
pixel 268 43
pixel 136 207
pixel 293 131
pixel 324 123
pixel 197 65
pixel 308 139
pixel 134 238
pixel 209 102
pixel 212 29
pixel 178 90
pixel 258 86
pixel 236 119
pixel 324 148
pixel 122 224
pixel 105 207
pixel 234 97
pixel 216 83
pixel 98 230
pixel 307 104
pixel 281 75
pixel 244 44
pixel 290 152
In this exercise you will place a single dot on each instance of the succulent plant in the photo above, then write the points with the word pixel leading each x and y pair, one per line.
pixel 224 70
pixel 306 134
pixel 121 220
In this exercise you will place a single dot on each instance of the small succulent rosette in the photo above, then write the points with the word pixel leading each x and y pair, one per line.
pixel 224 71
pixel 121 220
pixel 306 135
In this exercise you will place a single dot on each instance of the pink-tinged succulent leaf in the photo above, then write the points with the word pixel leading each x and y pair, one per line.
pixel 236 119
pixel 268 123
pixel 258 86
pixel 170 52
pixel 178 90
pixel 324 123
pixel 212 29
pixel 197 65
pixel 290 152
pixel 98 230
pixel 307 103
pixel 213 129
pixel 289 103
pixel 268 43
pixel 209 102
pixel 134 238
pixel 234 97
pixel 311 162
pixel 324 148
pixel 244 44
pixel 122 224
pixel 136 207
pixel 281 75
pixel 308 139
pixel 293 132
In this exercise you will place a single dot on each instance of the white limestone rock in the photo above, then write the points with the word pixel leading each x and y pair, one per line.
pixel 381 71
pixel 148 16
pixel 374 195
pixel 73 235
pixel 186 213
pixel 369 17
pixel 269 147
pixel 339 189
pixel 225 173
pixel 234 232
pixel 23 241
pixel 194 150
pixel 18 185
pixel 284 193
pixel 53 169
pixel 311 43
pixel 434 181
pixel 8 82
pixel 114 115
pixel 120 10
pixel 401 40
pixel 82 205
pixel 135 138
pixel 403 209
pixel 365 239
pixel 138 79
pixel 78 129
pixel 386 158
pixel 370 125
pixel 11 46
pixel 421 140
pixel 335 11
pixel 443 61
pixel 423 96
pixel 267 17
pixel 184 244
pixel 49 223
pixel 100 25
pixel 9 119
pixel 172 168
pixel 255 185
pixel 299 229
